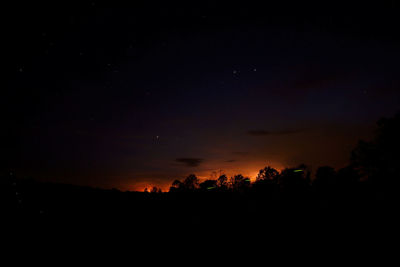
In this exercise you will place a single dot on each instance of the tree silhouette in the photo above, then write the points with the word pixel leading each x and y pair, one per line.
pixel 295 179
pixel 177 186
pixel 208 185
pixel 325 184
pixel 268 173
pixel 282 196
pixel 348 177
pixel 267 182
pixel 191 182
pixel 222 182
pixel 155 190
pixel 325 178
pixel 239 182
pixel 379 160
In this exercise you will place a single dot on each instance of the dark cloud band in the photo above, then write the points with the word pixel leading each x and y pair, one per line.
pixel 190 162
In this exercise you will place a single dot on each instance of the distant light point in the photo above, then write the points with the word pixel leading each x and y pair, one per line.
pixel 254 69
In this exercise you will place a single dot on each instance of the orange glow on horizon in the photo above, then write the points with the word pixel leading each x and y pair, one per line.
pixel 250 172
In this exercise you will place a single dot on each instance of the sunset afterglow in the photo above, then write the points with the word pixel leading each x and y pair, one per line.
pixel 108 99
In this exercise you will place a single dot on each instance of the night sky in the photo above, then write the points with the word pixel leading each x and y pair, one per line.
pixel 128 97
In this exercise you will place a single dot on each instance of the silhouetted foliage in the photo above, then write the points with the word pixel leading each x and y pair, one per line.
pixel 222 182
pixel 155 190
pixel 295 178
pixel 177 186
pixel 208 185
pixel 274 198
pixel 239 182
pixel 191 182
pixel 379 160
pixel 269 174
pixel 348 177
pixel 267 182
pixel 325 177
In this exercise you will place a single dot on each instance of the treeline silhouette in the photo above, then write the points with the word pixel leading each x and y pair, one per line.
pixel 356 196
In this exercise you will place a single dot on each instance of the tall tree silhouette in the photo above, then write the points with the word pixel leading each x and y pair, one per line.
pixel 379 160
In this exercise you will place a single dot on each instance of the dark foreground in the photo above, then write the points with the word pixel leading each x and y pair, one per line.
pixel 359 215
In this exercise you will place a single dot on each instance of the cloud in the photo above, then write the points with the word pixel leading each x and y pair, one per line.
pixel 267 133
pixel 231 160
pixel 240 153
pixel 190 162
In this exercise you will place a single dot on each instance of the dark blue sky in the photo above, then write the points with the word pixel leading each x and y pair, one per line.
pixel 133 96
